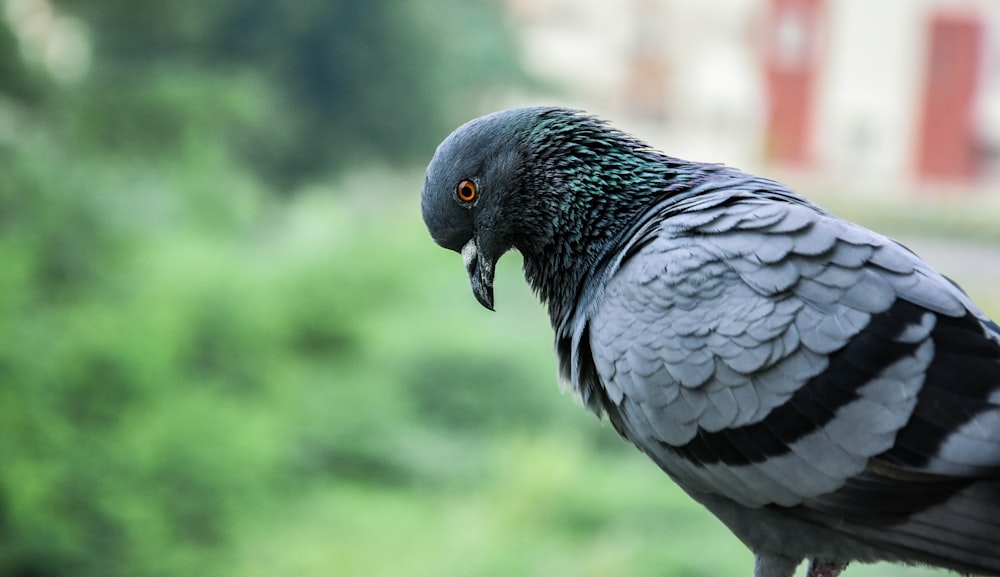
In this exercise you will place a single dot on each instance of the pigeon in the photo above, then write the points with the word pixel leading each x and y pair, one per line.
pixel 815 385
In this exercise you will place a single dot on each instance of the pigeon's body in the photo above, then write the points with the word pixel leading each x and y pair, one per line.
pixel 815 385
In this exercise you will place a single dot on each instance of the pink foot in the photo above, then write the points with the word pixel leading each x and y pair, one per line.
pixel 825 568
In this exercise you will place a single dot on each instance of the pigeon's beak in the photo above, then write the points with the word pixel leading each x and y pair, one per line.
pixel 480 273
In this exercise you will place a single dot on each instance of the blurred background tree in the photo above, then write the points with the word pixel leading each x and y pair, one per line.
pixel 176 360
pixel 313 87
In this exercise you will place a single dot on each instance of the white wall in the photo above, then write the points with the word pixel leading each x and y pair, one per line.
pixel 868 96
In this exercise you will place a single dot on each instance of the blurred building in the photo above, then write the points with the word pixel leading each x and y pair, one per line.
pixel 891 91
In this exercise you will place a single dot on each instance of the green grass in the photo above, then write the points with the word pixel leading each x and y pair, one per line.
pixel 546 508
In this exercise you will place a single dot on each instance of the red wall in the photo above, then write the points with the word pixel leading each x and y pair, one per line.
pixel 947 145
pixel 791 56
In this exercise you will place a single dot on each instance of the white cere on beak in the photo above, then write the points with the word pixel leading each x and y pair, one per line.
pixel 469 253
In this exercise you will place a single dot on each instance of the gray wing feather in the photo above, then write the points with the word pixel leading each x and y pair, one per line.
pixel 729 310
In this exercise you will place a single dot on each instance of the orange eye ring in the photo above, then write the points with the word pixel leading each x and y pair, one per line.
pixel 466 191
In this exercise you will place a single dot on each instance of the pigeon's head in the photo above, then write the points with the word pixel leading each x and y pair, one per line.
pixel 475 199
pixel 554 184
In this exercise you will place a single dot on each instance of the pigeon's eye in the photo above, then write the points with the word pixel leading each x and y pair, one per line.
pixel 466 191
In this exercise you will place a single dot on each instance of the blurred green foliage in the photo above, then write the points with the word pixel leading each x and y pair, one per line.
pixel 186 346
pixel 296 90
pixel 224 353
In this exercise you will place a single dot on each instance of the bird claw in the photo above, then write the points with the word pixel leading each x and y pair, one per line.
pixel 825 568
